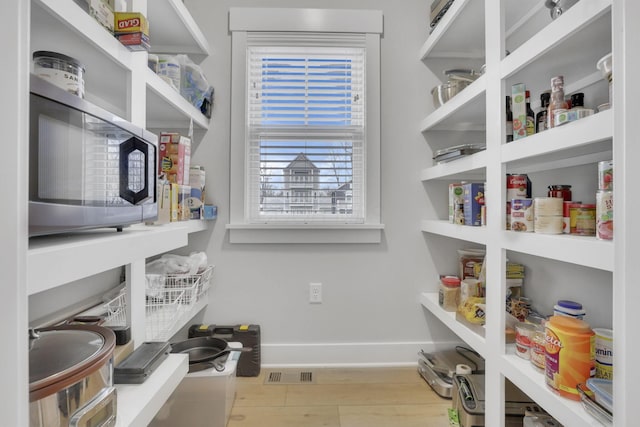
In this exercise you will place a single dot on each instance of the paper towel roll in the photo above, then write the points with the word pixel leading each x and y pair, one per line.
pixel 463 369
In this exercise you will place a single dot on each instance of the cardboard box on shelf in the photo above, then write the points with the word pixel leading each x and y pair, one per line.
pixel 102 12
pixel 175 157
pixel 132 29
pixel 197 183
pixel 473 196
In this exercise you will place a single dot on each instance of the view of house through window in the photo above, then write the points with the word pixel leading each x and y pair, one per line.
pixel 306 133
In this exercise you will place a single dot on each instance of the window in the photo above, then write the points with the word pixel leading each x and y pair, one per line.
pixel 306 132
pixel 305 148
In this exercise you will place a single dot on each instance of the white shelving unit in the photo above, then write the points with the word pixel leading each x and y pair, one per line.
pixel 119 81
pixel 539 48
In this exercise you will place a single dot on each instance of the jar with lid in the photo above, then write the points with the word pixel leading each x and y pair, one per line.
pixel 537 352
pixel 562 191
pixel 449 293
pixel 60 70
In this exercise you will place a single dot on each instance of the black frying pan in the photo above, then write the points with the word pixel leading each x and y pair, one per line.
pixel 204 349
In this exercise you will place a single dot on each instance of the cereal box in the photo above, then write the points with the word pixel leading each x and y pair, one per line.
pixel 175 157
pixel 473 199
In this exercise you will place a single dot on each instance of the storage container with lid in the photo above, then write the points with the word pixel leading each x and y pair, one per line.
pixel 569 309
pixel 61 70
pixel 449 293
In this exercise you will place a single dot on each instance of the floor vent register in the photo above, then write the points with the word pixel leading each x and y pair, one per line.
pixel 293 377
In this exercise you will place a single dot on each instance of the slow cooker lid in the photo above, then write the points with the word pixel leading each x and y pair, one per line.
pixel 56 354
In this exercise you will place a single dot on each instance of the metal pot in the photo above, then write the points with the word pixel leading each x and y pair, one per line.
pixel 457 80
pixel 71 377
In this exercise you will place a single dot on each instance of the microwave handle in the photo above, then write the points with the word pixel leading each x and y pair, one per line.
pixel 126 148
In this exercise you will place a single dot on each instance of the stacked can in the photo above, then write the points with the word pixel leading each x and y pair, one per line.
pixel 604 201
pixel 518 187
pixel 548 215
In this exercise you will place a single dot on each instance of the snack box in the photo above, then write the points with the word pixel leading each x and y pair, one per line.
pixel 134 41
pixel 175 157
pixel 130 22
pixel 473 200
pixel 102 12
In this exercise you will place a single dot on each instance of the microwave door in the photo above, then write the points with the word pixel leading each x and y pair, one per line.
pixel 134 170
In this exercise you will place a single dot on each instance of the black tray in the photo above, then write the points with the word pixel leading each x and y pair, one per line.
pixel 140 364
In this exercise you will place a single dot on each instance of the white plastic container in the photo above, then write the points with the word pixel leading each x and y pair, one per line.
pixel 61 70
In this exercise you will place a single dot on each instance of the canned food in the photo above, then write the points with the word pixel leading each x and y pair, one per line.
pixel 547 224
pixel 522 215
pixel 548 206
pixel 570 354
pixel 566 217
pixel 61 70
pixel 518 187
pixel 604 214
pixel 605 175
pixel 604 353
pixel 582 219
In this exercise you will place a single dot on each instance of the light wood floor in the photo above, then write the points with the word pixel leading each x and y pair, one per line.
pixel 363 397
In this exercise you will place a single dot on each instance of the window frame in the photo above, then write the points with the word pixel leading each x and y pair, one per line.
pixel 245 20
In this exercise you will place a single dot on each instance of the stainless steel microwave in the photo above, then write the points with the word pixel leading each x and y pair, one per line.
pixel 88 168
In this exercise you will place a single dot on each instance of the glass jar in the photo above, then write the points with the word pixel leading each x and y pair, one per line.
pixel 562 191
pixel 61 70
pixel 449 293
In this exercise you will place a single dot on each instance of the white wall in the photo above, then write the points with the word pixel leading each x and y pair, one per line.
pixel 371 313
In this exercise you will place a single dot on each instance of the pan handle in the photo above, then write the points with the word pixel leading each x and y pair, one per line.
pixel 223 352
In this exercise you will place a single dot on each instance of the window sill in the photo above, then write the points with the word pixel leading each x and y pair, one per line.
pixel 331 233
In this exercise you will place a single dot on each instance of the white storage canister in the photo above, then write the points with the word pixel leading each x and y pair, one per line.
pixel 61 70
pixel 569 309
pixel 604 353
pixel 449 293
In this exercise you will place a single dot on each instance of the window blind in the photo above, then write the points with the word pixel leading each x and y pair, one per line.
pixel 306 128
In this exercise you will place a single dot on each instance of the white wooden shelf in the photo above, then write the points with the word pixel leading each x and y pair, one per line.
pixel 586 251
pixel 62 26
pixel 139 403
pixel 585 141
pixel 521 373
pixel 540 48
pixel 476 341
pixel 465 111
pixel 172 29
pixel 455 231
pixel 471 167
pixel 56 260
pixel 167 109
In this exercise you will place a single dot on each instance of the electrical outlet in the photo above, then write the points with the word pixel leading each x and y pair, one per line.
pixel 315 293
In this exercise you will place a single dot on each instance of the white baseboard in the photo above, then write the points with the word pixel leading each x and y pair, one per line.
pixel 347 354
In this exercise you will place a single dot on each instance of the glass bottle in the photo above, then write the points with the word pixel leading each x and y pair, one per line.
pixel 509 122
pixel 557 101
pixel 541 117
pixel 531 116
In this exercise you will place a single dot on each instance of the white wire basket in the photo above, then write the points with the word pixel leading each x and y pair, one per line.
pixel 169 297
pixel 116 310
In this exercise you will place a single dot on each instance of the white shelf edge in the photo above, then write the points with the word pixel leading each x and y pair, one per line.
pixel 595 128
pixel 456 103
pixel 139 403
pixel 560 29
pixel 56 260
pixel 568 412
pixel 586 251
pixel 88 29
pixel 430 302
pixel 174 99
pixel 467 164
pixel 461 232
pixel 447 20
